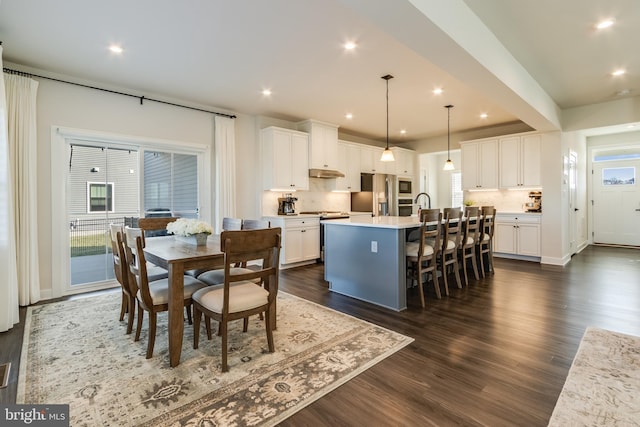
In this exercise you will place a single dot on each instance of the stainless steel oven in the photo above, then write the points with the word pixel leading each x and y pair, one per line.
pixel 405 207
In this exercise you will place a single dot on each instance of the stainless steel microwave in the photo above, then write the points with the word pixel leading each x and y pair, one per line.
pixel 404 186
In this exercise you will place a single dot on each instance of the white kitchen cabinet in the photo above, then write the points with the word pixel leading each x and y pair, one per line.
pixel 520 161
pixel 323 144
pixel 517 234
pixel 405 161
pixel 285 159
pixel 370 160
pixel 479 164
pixel 300 240
pixel 349 164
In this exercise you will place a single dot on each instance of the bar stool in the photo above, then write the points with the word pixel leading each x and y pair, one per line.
pixel 452 237
pixel 422 255
pixel 485 242
pixel 472 223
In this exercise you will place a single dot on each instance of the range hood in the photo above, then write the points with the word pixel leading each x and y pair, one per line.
pixel 325 173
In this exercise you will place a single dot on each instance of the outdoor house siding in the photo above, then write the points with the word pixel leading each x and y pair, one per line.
pixel 119 167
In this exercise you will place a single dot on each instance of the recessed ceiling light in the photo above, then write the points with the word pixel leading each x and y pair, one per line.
pixel 350 45
pixel 266 92
pixel 349 116
pixel 619 72
pixel 484 115
pixel 606 23
pixel 403 131
pixel 115 48
pixel 437 91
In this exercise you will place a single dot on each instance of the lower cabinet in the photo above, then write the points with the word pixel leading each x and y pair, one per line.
pixel 300 240
pixel 517 235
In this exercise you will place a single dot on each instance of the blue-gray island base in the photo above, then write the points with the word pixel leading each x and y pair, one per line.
pixel 365 259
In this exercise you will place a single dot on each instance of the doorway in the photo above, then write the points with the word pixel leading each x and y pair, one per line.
pixel 616 199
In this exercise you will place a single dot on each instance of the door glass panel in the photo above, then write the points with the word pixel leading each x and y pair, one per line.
pixel 102 188
pixel 170 184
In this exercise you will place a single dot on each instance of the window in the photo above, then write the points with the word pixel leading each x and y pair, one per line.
pixel 456 190
pixel 100 197
pixel 170 184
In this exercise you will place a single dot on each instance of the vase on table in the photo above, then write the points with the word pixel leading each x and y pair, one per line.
pixel 199 239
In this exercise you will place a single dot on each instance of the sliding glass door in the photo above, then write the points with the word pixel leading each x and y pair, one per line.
pixel 102 188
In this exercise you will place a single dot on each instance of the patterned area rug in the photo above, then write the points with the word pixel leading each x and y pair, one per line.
pixel 603 385
pixel 76 352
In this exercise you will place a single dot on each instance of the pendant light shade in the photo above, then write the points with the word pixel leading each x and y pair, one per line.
pixel 387 154
pixel 448 165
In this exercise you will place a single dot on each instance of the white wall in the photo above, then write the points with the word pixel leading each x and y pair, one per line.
pixel 65 105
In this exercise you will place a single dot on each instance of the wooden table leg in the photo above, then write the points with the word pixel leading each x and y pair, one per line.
pixel 176 306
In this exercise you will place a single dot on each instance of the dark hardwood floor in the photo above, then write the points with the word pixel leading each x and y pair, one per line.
pixel 494 354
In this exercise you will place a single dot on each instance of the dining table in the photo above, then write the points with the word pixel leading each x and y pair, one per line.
pixel 177 257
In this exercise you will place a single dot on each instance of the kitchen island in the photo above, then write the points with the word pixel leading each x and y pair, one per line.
pixel 365 258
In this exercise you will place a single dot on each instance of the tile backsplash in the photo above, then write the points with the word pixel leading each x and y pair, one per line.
pixel 503 200
pixel 318 198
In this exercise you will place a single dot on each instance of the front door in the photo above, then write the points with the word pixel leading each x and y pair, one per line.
pixel 616 202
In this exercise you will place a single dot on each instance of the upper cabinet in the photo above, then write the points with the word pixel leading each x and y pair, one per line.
pixel 368 156
pixel 285 155
pixel 349 164
pixel 479 164
pixel 405 161
pixel 323 144
pixel 520 161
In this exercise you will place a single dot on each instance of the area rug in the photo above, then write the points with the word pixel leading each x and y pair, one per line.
pixel 76 352
pixel 603 385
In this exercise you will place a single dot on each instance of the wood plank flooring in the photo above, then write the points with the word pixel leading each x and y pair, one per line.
pixel 494 354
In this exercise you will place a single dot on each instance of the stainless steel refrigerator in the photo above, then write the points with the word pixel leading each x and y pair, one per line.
pixel 379 194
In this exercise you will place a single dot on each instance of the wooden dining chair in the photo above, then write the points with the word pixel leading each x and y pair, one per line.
pixel 152 296
pixel 215 278
pixel 485 241
pixel 451 238
pixel 155 226
pixel 470 238
pixel 255 224
pixel 422 255
pixel 230 224
pixel 128 304
pixel 240 296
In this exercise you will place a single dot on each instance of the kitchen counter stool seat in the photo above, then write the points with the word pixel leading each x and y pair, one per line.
pixel 470 240
pixel 452 238
pixel 422 255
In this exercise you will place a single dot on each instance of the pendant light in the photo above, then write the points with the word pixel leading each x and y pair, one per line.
pixel 448 165
pixel 387 154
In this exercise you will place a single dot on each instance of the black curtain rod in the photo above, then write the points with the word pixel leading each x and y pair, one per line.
pixel 141 98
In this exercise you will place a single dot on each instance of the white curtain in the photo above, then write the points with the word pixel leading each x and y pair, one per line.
pixel 9 315
pixel 225 170
pixel 21 94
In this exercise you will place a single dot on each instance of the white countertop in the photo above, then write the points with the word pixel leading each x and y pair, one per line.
pixel 518 213
pixel 394 222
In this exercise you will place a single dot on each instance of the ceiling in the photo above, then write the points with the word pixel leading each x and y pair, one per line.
pixel 514 60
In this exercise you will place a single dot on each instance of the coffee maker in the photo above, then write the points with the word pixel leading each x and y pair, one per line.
pixel 287 205
pixel 535 202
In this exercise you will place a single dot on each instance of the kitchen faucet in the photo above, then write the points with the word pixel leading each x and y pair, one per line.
pixel 428 199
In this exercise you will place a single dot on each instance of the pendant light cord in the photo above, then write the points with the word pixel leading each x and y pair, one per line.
pixel 448 107
pixel 387 78
pixel 387 114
